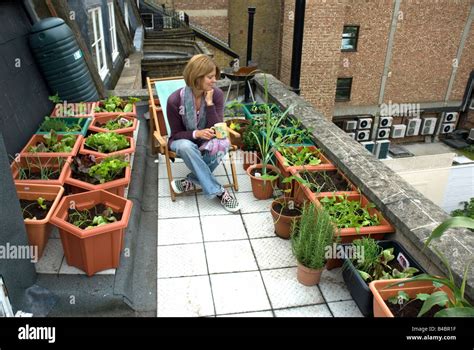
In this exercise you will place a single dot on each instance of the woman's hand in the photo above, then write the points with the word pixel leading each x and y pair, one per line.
pixel 208 98
pixel 205 134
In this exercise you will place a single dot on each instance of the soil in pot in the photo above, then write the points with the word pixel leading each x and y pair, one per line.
pixel 411 309
pixel 31 174
pixel 89 179
pixel 269 172
pixel 327 181
pixel 32 209
pixel 278 207
pixel 89 215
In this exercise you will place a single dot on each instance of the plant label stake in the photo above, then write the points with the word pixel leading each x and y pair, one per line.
pixel 404 263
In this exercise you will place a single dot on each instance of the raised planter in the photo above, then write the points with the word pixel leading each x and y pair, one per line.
pixel 73 110
pixel 36 139
pixel 98 248
pixel 359 289
pixel 284 167
pixel 97 125
pixel 262 189
pixel 83 123
pixel 39 230
pixel 126 151
pixel 35 164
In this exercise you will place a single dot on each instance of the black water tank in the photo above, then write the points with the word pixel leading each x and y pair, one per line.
pixel 62 61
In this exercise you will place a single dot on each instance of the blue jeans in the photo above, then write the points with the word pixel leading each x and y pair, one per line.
pixel 201 165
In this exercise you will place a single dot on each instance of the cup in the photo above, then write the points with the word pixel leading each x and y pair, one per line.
pixel 220 130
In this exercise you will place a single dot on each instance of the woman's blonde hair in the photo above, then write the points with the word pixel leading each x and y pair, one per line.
pixel 198 67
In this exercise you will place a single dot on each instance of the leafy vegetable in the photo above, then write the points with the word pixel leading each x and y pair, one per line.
pixel 107 142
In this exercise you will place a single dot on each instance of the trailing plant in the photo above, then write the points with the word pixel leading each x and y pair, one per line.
pixel 295 157
pixel 455 305
pixel 52 143
pixel 107 142
pixel 85 219
pixel 349 214
pixel 311 236
pixel 118 123
pixel 116 104
pixel 467 211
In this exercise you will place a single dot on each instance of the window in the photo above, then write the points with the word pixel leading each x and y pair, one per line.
pixel 98 44
pixel 343 89
pixel 126 16
pixel 113 32
pixel 349 38
pixel 147 20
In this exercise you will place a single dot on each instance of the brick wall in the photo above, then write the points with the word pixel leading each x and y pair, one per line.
pixel 220 57
pixel 286 41
pixel 466 65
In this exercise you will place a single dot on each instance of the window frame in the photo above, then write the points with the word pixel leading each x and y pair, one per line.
pixel 356 38
pixel 344 99
pixel 99 40
pixel 112 30
pixel 152 20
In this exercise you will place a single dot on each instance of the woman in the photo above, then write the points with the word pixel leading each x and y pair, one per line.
pixel 192 111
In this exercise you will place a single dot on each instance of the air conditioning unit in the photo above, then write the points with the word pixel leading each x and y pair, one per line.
pixel 352 135
pixel 398 131
pixel 381 149
pixel 383 133
pixel 350 125
pixel 362 135
pixel 385 122
pixel 413 126
pixel 447 128
pixel 428 126
pixel 369 145
pixel 450 117
pixel 365 123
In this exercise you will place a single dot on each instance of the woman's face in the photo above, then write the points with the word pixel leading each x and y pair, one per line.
pixel 208 81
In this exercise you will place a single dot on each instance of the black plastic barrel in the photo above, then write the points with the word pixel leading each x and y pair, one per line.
pixel 62 61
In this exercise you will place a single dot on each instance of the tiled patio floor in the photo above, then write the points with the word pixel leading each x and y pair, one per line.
pixel 214 263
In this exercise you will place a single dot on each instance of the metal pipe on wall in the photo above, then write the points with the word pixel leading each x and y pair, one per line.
pixel 300 6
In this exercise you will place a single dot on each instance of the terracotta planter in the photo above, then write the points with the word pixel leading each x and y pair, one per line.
pixel 98 248
pixel 282 163
pixel 133 113
pixel 35 139
pixel 39 230
pixel 283 223
pixel 412 289
pixel 35 163
pixel 83 123
pixel 237 141
pixel 126 151
pixel 307 276
pixel 61 110
pixel 262 189
pixel 250 158
pixel 116 186
pixel 104 119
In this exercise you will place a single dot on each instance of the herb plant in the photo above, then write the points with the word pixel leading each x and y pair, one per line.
pixel 86 220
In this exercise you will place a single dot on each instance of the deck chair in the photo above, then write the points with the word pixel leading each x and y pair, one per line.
pixel 159 127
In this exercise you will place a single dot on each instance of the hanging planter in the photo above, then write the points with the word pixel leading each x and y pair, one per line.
pixel 124 125
pixel 52 145
pixel 36 170
pixel 92 228
pixel 38 203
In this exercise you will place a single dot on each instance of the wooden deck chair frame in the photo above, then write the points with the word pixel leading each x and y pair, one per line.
pixel 159 137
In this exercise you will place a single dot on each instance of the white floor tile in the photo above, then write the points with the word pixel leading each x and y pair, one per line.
pixel 211 206
pixel 230 256
pixel 179 170
pixel 333 287
pixel 273 253
pixel 184 206
pixel 181 260
pixel 179 231
pixel 250 314
pixel 52 257
pixel 259 225
pixel 285 291
pixel 345 309
pixel 163 188
pixel 239 292
pixel 250 204
pixel 184 297
pixel 305 311
pixel 71 270
pixel 244 183
pixel 223 227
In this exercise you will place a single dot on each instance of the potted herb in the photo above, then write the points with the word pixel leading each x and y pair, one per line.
pixel 38 203
pixel 36 170
pixel 114 105
pixel 52 144
pixel 425 293
pixel 88 173
pixel 92 227
pixel 104 144
pixel 375 260
pixel 309 241
pixel 124 125
pixel 62 126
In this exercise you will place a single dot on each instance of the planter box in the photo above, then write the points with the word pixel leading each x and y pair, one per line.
pixel 381 293
pixel 83 122
pixel 67 110
pixel 35 163
pixel 98 248
pixel 305 142
pixel 249 115
pixel 282 164
pixel 360 290
pixel 133 113
pixel 126 151
pixel 104 119
pixel 35 139
pixel 39 230
pixel 116 186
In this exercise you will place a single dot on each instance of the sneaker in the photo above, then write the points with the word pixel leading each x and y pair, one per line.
pixel 229 202
pixel 181 186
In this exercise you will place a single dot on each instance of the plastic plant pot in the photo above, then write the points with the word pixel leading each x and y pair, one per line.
pixel 133 113
pixel 35 139
pixel 104 119
pixel 61 164
pixel 125 151
pixel 282 163
pixel 83 123
pixel 249 115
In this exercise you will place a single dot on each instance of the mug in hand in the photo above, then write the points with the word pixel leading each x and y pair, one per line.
pixel 220 130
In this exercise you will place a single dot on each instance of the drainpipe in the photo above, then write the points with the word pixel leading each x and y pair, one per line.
pixel 298 30
pixel 251 11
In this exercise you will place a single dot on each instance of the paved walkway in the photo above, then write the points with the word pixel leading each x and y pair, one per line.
pixel 214 263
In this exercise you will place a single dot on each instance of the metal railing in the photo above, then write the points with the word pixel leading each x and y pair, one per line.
pixel 170 19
